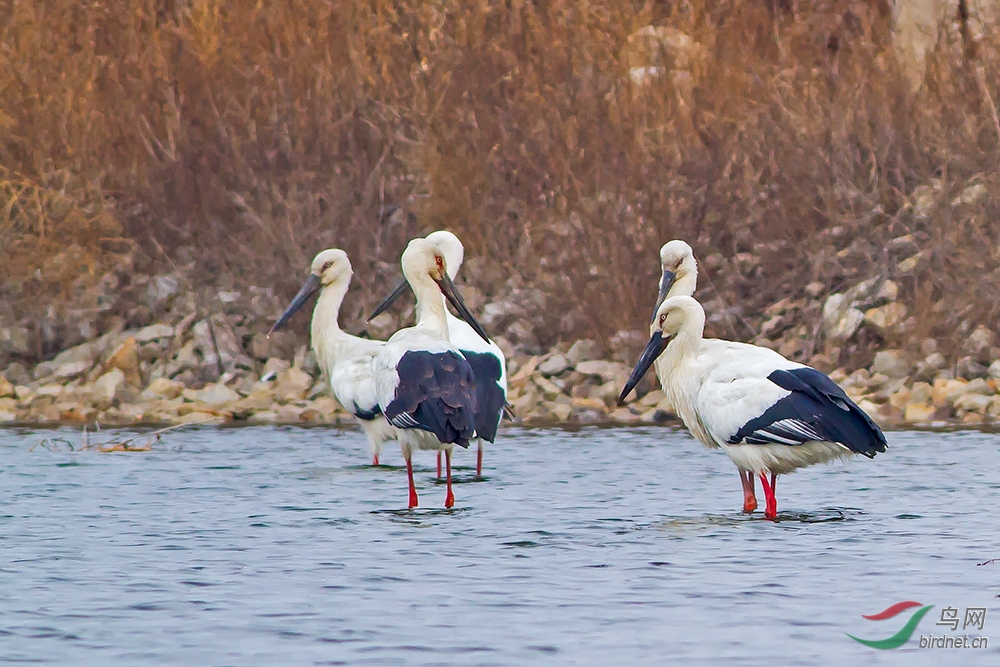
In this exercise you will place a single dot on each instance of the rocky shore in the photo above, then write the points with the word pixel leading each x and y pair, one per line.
pixel 220 367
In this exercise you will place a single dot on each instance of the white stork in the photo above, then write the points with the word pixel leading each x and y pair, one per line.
pixel 424 385
pixel 768 414
pixel 346 359
pixel 489 366
pixel 680 272
pixel 680 277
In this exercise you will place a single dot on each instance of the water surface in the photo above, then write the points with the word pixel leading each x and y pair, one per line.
pixel 602 546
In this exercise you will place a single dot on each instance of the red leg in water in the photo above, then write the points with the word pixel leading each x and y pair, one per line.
pixel 479 461
pixel 771 502
pixel 749 496
pixel 375 459
pixel 439 464
pixel 449 500
pixel 413 489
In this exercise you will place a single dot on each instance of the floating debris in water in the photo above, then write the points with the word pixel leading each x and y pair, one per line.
pixel 142 442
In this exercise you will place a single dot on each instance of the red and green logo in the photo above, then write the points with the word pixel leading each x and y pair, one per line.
pixel 900 638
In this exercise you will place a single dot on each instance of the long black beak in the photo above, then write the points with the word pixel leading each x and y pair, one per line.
pixel 657 344
pixel 455 299
pixel 309 287
pixel 666 282
pixel 389 300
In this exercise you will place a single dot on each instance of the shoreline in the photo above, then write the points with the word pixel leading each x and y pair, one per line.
pixel 153 377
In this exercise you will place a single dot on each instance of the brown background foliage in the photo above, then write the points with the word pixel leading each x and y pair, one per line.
pixel 785 145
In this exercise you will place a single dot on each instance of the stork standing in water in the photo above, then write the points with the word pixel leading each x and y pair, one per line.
pixel 346 359
pixel 488 364
pixel 768 414
pixel 680 277
pixel 424 385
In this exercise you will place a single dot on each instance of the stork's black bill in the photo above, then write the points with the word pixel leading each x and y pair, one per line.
pixel 389 300
pixel 309 287
pixel 657 344
pixel 450 292
pixel 666 282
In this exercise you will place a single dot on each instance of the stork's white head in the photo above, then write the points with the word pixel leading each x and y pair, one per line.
pixel 330 267
pixel 675 315
pixel 678 257
pixel 424 262
pixel 451 248
pixel 680 271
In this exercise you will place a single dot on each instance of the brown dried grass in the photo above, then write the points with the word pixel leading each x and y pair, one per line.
pixel 253 135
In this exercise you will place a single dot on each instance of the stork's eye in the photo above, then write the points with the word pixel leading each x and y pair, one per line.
pixel 439 260
pixel 663 318
pixel 327 266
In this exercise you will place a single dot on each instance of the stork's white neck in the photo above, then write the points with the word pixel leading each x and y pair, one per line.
pixel 676 371
pixel 328 340
pixel 431 311
pixel 685 283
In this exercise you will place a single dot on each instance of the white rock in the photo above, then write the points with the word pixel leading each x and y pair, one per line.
pixel 891 364
pixel 554 365
pixel 108 385
pixel 154 332
pixel 214 394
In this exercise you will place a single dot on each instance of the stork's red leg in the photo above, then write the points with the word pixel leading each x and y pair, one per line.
pixel 771 502
pixel 439 464
pixel 413 489
pixel 375 459
pixel 449 499
pixel 479 461
pixel 749 495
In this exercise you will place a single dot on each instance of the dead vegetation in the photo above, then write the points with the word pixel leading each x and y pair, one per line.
pixel 563 141
pixel 142 442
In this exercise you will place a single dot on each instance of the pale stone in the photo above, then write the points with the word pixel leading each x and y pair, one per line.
pixel 590 404
pixel 584 349
pixel 606 370
pixel 969 195
pixel 890 363
pixel 7 416
pixel 560 411
pixel 972 403
pixel 110 384
pixel 900 399
pixel 163 388
pixel 554 365
pixel 126 359
pixel 549 389
pixel 886 316
pixel 70 369
pixel 995 370
pixel 154 332
pixel 16 340
pixel 6 388
pixel 214 395
pixel 947 391
pixel 263 417
pixel 918 413
pixel 292 384
pixel 652 398
pixel 921 392
pixel 979 386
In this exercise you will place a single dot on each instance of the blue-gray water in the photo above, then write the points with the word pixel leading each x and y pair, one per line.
pixel 280 546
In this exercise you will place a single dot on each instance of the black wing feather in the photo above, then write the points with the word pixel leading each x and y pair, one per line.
pixel 817 409
pixel 490 396
pixel 436 393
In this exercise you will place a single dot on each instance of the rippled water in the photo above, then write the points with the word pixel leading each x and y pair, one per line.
pixel 279 546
